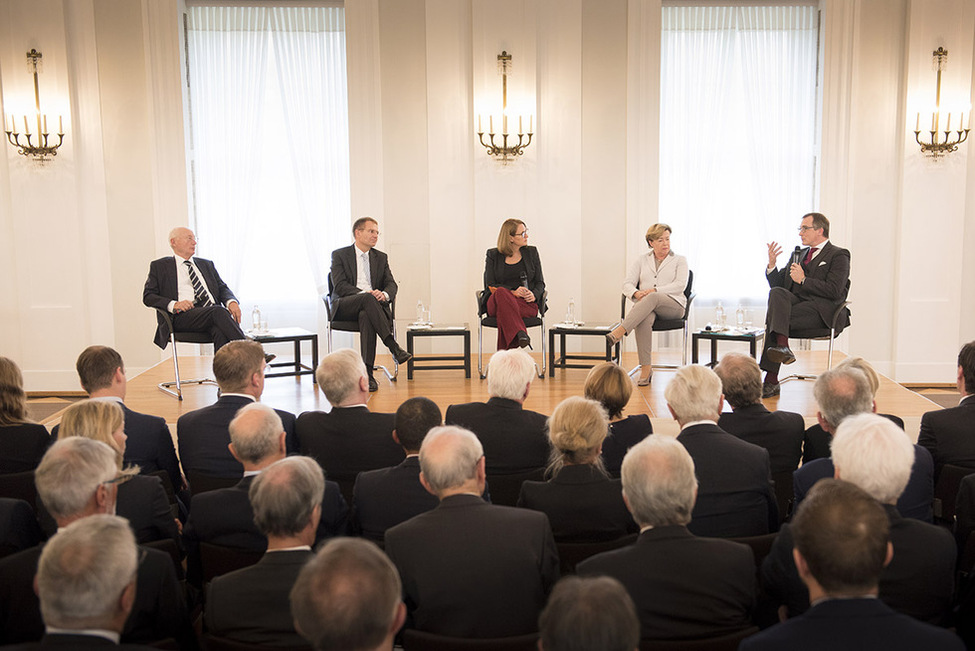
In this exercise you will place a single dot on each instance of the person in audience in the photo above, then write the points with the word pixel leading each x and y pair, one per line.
pixel 18 526
pixel 250 604
pixel 202 435
pixel 655 282
pixel 513 437
pixel 845 392
pixel 735 495
pixel 226 517
pixel 589 613
pixel 513 284
pixel 949 434
pixel 965 512
pixel 469 568
pixel 77 478
pixel 843 541
pixel 385 497
pixel 779 432
pixel 609 385
pixel 142 499
pixel 348 597
pixel 349 439
pixel 580 500
pixel 804 296
pixel 363 289
pixel 22 441
pixel 683 586
pixel 874 454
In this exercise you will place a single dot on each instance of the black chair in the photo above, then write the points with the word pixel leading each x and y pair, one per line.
pixel 946 492
pixel 353 326
pixel 821 334
pixel 186 338
pixel 485 321
pixel 18 526
pixel 573 553
pixel 506 488
pixel 761 545
pixel 217 560
pixel 19 486
pixel 201 482
pixel 414 640
pixel 215 643
pixel 784 495
pixel 728 642
pixel 667 325
pixel 168 546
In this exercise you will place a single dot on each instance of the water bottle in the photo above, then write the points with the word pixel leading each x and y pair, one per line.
pixel 740 316
pixel 719 315
pixel 419 312
pixel 570 312
pixel 256 319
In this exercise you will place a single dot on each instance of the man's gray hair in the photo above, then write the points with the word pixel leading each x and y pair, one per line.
pixel 70 473
pixel 694 394
pixel 659 482
pixel 347 596
pixel 454 462
pixel 255 432
pixel 841 393
pixel 83 570
pixel 338 374
pixel 875 454
pixel 509 372
pixel 741 379
pixel 285 494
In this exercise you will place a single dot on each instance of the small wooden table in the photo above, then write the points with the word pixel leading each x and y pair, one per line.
pixel 297 335
pixel 753 337
pixel 461 362
pixel 562 331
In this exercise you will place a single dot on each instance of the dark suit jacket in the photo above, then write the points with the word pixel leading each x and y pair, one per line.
pixel 852 625
pixel 514 438
pixel 683 586
pixel 344 273
pixel 827 282
pixel 77 642
pixel 348 440
pixel 473 569
pixel 251 605
pixel 383 498
pixel 22 446
pixel 203 436
pixel 162 287
pixel 915 501
pixel 949 435
pixel 965 511
pixel 779 432
pixel 919 581
pixel 582 503
pixel 735 496
pixel 623 435
pixel 816 441
pixel 18 526
pixel 494 271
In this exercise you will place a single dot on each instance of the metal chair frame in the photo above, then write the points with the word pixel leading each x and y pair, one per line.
pixel 529 323
pixel 667 325
pixel 186 338
pixel 353 326
pixel 816 335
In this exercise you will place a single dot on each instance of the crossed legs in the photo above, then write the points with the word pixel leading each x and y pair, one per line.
pixel 374 321
pixel 214 320
pixel 640 321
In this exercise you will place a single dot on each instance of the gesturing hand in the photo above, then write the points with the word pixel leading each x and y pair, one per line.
pixel 774 250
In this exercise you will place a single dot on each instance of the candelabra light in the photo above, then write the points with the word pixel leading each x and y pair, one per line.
pixel 937 146
pixel 43 148
pixel 501 148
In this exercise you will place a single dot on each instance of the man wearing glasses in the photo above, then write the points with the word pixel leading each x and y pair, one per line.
pixel 804 295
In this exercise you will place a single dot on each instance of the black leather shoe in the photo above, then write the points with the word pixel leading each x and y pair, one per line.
pixel 523 340
pixel 373 385
pixel 780 355
pixel 400 355
pixel 770 390
pixel 269 357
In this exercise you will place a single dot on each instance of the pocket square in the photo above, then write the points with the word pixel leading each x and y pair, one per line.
pixel 822 263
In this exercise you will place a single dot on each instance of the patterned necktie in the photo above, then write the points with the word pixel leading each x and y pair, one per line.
pixel 200 296
pixel 365 265
pixel 809 255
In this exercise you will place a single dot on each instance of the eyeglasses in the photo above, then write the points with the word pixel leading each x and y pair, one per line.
pixel 119 479
pixel 370 231
pixel 524 233
pixel 803 229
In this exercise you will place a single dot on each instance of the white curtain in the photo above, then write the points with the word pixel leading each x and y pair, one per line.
pixel 737 140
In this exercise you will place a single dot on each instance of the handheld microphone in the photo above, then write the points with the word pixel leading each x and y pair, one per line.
pixel 796 256
pixel 524 279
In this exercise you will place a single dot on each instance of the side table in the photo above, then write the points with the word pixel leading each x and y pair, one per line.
pixel 562 330
pixel 297 335
pixel 753 337
pixel 461 362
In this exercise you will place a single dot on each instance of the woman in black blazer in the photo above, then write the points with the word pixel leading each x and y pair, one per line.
pixel 22 442
pixel 610 386
pixel 581 501
pixel 513 284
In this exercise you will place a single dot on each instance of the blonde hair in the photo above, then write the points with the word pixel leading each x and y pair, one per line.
pixel 576 430
pixel 872 377
pixel 508 229
pixel 13 399
pixel 656 231
pixel 610 386
pixel 96 420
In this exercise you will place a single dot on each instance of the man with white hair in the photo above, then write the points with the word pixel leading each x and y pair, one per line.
pixel 514 438
pixel 471 569
pixel 683 586
pixel 735 495
pixel 876 455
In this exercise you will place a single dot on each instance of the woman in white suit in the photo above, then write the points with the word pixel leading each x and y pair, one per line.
pixel 655 283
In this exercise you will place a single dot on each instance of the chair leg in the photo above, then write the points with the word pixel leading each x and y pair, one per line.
pixel 683 346
pixel 542 374
pixel 800 376
pixel 328 336
pixel 829 358
pixel 166 387
pixel 480 348
pixel 179 388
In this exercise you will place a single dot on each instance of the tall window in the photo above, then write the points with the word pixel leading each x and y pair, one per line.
pixel 270 150
pixel 737 138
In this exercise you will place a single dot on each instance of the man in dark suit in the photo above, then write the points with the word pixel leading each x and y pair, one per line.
pixel 735 496
pixel 841 548
pixel 874 454
pixel 251 604
pixel 779 432
pixel 804 296
pixel 683 586
pixel 469 568
pixel 363 288
pixel 949 434
pixel 514 438
pixel 383 498
pixel 203 436
pixel 226 517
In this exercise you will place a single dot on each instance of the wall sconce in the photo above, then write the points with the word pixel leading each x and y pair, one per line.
pixel 937 147
pixel 504 150
pixel 43 148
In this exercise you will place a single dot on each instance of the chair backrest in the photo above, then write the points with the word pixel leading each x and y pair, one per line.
pixel 688 296
pixel 506 488
pixel 573 553
pixel 728 642
pixel 784 495
pixel 19 486
pixel 330 309
pixel 185 337
pixel 946 491
pixel 419 641
pixel 761 545
pixel 201 482
pixel 215 643
pixel 217 560
pixel 168 546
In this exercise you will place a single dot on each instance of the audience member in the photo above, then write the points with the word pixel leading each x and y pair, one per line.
pixel 965 512
pixel 469 568
pixel 875 455
pixel 949 434
pixel 348 597
pixel 779 432
pixel 581 501
pixel 683 586
pixel 609 385
pixel 18 526
pixel 735 495
pixel 513 437
pixel 589 614
pixel 250 605
pixel 841 548
pixel 202 435
pixel 22 441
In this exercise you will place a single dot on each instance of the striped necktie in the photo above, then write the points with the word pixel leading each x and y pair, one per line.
pixel 200 296
pixel 365 263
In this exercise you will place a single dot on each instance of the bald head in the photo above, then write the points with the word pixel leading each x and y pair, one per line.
pixel 183 242
pixel 451 462
pixel 257 437
pixel 841 393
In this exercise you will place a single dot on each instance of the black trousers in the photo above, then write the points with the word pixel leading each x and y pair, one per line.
pixel 213 320
pixel 786 312
pixel 375 320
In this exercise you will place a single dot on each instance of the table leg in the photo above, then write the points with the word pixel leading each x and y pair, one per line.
pixel 297 357
pixel 314 358
pixel 695 340
pixel 714 352
pixel 551 353
pixel 467 354
pixel 409 349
